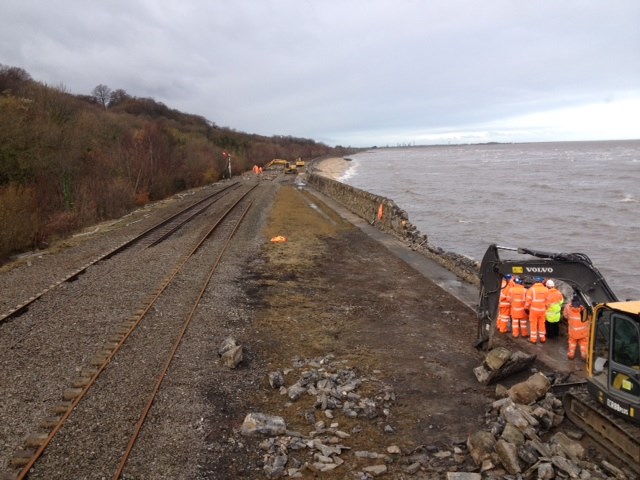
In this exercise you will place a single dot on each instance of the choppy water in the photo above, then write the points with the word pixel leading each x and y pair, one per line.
pixel 557 197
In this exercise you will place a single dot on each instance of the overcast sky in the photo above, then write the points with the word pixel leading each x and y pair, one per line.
pixel 351 72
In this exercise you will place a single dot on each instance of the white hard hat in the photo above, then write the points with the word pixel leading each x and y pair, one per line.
pixel 550 283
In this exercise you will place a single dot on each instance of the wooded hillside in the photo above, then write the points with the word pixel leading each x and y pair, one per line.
pixel 68 161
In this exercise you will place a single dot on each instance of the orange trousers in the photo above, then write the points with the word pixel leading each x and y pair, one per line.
pixel 520 327
pixel 537 326
pixel 584 345
pixel 504 318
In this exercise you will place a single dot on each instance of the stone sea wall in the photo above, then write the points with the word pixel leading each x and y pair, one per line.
pixel 384 214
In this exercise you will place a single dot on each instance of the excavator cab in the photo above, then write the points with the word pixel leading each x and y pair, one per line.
pixel 613 368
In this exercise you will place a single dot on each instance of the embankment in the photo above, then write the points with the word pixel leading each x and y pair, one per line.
pixel 384 214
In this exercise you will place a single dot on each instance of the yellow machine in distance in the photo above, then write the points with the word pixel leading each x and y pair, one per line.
pixel 277 162
pixel 286 165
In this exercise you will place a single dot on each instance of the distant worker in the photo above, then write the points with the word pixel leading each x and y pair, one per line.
pixel 553 314
pixel 517 299
pixel 536 305
pixel 578 328
pixel 504 307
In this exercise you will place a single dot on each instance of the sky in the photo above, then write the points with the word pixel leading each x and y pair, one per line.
pixel 357 73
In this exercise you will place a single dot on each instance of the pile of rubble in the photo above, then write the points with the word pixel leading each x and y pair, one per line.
pixel 338 399
pixel 513 446
pixel 521 439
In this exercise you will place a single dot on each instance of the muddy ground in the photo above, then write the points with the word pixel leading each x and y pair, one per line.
pixel 332 290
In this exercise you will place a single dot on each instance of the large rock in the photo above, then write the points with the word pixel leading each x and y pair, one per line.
pixel 463 476
pixel 501 363
pixel 571 448
pixel 481 445
pixel 508 454
pixel 497 357
pixel 232 357
pixel 515 416
pixel 375 470
pixel 535 387
pixel 512 434
pixel 230 352
pixel 264 424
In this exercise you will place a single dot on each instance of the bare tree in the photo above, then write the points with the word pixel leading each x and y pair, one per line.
pixel 102 94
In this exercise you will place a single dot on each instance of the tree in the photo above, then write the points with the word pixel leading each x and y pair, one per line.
pixel 13 79
pixel 117 97
pixel 102 94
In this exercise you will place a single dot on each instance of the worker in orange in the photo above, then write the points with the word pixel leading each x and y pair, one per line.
pixel 553 302
pixel 504 306
pixel 535 303
pixel 578 328
pixel 517 298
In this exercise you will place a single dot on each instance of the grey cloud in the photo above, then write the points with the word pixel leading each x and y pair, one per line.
pixel 334 70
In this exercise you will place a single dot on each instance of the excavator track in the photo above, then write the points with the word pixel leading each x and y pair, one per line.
pixel 617 435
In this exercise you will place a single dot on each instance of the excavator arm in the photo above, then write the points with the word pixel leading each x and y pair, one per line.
pixel 574 269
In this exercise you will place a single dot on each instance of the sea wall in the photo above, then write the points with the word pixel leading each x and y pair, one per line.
pixel 384 214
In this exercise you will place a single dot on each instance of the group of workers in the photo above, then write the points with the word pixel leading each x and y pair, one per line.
pixel 536 312
pixel 257 169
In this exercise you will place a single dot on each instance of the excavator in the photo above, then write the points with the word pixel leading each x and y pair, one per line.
pixel 289 167
pixel 277 162
pixel 608 409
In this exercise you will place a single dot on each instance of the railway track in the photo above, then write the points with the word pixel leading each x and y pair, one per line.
pixel 151 236
pixel 126 360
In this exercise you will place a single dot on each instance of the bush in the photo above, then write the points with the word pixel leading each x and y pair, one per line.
pixel 19 219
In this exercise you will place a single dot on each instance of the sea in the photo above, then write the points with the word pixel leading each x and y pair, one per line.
pixel 555 197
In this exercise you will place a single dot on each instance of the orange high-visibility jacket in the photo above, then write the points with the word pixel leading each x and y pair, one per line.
pixel 577 328
pixel 517 297
pixel 504 294
pixel 536 298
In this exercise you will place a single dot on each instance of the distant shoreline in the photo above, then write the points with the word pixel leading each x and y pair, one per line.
pixel 491 144
pixel 333 167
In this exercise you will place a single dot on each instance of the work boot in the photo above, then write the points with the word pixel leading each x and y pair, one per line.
pixel 570 357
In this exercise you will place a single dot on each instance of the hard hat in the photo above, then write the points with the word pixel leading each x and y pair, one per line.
pixel 550 283
pixel 518 280
pixel 539 279
pixel 508 276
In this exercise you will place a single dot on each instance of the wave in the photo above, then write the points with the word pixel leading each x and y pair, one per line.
pixel 350 172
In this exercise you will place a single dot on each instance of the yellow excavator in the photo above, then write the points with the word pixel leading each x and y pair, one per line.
pixel 277 162
pixel 288 167
pixel 607 407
